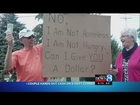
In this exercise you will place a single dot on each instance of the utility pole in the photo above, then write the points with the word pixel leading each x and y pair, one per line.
pixel 126 19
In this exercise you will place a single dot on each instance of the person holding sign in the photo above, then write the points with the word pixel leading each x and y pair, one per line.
pixel 28 60
pixel 127 65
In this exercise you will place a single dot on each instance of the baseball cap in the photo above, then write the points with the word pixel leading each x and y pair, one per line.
pixel 25 33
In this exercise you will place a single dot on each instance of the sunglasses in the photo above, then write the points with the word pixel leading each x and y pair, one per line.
pixel 32 36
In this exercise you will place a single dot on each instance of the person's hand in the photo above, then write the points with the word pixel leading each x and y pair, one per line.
pixel 114 71
pixel 9 38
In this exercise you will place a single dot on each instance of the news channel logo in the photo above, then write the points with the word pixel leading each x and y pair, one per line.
pixel 109 78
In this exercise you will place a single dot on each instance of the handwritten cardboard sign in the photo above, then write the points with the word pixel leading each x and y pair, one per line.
pixel 76 45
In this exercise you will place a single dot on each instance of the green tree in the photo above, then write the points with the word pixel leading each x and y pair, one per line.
pixel 5 19
pixel 138 30
pixel 38 33
pixel 115 49
pixel 38 29
pixel 39 16
pixel 138 35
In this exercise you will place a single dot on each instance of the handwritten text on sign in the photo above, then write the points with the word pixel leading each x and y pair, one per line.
pixel 76 45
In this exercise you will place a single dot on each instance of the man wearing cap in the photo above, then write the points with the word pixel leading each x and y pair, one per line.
pixel 28 60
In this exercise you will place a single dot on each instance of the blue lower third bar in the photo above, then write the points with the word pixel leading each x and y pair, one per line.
pixel 68 87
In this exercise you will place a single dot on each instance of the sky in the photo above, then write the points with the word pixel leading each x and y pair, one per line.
pixel 117 22
pixel 29 20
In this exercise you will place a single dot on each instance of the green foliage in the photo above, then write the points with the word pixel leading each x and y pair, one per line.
pixel 5 19
pixel 13 78
pixel 138 33
pixel 2 75
pixel 39 16
pixel 115 49
pixel 138 30
pixel 38 29
pixel 39 32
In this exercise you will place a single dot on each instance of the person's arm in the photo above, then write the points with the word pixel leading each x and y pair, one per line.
pixel 8 58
